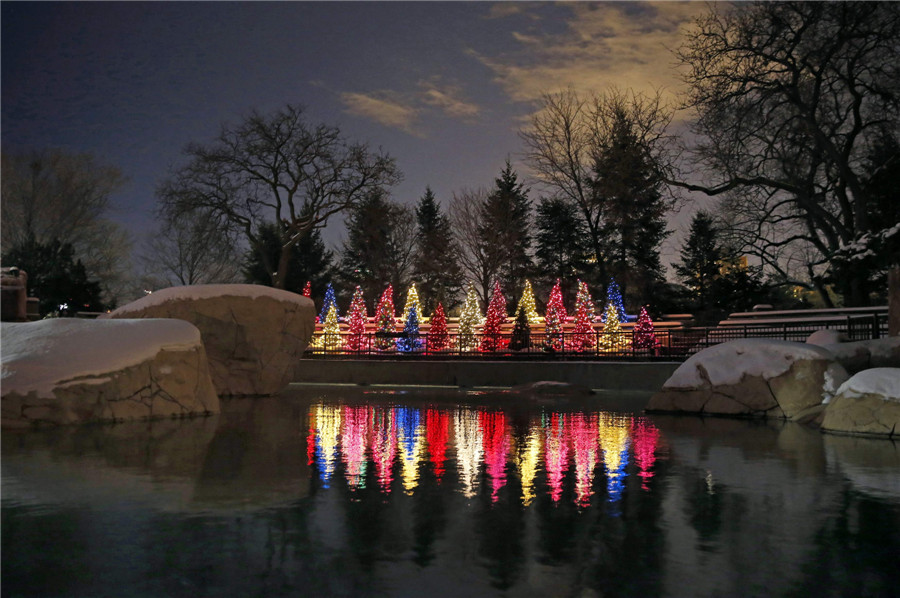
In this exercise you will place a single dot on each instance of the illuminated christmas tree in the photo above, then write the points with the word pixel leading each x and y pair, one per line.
pixel 411 341
pixel 614 296
pixel 643 336
pixel 412 300
pixel 384 318
pixel 357 340
pixel 612 338
pixel 307 290
pixel 438 338
pixel 329 302
pixel 469 319
pixel 555 318
pixel 583 335
pixel 526 303
pixel 330 337
pixel 521 334
pixel 496 316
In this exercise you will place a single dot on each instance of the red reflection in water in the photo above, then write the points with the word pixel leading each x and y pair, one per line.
pixel 646 440
pixel 582 430
pixel 436 435
pixel 353 444
pixel 311 441
pixel 556 455
pixel 496 447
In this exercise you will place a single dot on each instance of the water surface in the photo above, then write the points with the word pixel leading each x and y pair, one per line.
pixel 372 492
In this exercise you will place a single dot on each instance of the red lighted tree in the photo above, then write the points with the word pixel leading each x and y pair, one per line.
pixel 438 337
pixel 644 337
pixel 356 339
pixel 554 318
pixel 384 318
pixel 583 335
pixel 496 316
pixel 307 290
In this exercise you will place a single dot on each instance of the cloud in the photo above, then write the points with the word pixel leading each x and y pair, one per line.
pixel 618 43
pixel 382 109
pixel 449 100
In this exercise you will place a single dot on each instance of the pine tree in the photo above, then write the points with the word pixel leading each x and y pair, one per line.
pixel 435 264
pixel 700 259
pixel 329 339
pixel 562 243
pixel 356 318
pixel 310 260
pixel 612 339
pixel 411 340
pixel 555 318
pixel 526 304
pixel 469 319
pixel 496 316
pixel 614 296
pixel 384 318
pixel 328 303
pixel 583 335
pixel 521 334
pixel 438 337
pixel 412 300
pixel 643 336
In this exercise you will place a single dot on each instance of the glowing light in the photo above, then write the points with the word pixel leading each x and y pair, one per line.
pixel 526 303
pixel 645 441
pixel 412 301
pixel 613 433
pixel 469 451
pixel 411 445
pixel 469 319
pixel 384 447
pixel 555 317
pixel 353 445
pixel 330 302
pixel 437 431
pixel 496 448
pixel 643 335
pixel 527 463
pixel 556 455
pixel 328 428
pixel 384 318
pixel 583 335
pixel 496 316
pixel 330 337
pixel 356 339
pixel 612 339
pixel 438 337
pixel 585 440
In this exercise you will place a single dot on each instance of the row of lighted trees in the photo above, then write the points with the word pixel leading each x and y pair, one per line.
pixel 484 333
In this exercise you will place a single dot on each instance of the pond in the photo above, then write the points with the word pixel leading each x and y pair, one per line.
pixel 354 491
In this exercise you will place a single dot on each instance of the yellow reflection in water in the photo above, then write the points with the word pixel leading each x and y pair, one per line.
pixel 469 450
pixel 328 429
pixel 527 461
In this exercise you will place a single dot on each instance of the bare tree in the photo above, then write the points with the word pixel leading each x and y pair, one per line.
pixel 791 97
pixel 275 167
pixel 53 195
pixel 570 134
pixel 479 260
pixel 191 250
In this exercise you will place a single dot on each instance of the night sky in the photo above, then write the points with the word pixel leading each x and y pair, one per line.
pixel 443 87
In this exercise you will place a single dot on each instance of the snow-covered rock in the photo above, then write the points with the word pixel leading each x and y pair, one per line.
pixel 254 335
pixel 863 355
pixel 868 403
pixel 63 371
pixel 826 336
pixel 752 377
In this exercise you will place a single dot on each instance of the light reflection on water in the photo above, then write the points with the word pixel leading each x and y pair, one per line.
pixel 355 493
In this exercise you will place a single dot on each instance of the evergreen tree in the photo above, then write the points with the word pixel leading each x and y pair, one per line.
pixel 583 334
pixel 614 297
pixel 412 300
pixel 310 261
pixel 329 339
pixel 521 334
pixel 327 303
pixel 612 339
pixel 384 317
pixel 505 229
pixel 55 277
pixel 411 340
pixel 378 249
pixel 555 318
pixel 438 337
pixel 643 336
pixel 701 255
pixel 562 246
pixel 496 316
pixel 628 188
pixel 357 318
pixel 526 304
pixel 435 264
pixel 469 319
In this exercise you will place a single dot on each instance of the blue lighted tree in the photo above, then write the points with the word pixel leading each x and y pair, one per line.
pixel 614 296
pixel 411 340
pixel 329 301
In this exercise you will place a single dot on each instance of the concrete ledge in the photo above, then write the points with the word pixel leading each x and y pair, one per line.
pixel 607 375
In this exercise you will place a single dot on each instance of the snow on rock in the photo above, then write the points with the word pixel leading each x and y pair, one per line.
pixel 71 371
pixel 756 377
pixel 863 355
pixel 254 335
pixel 828 336
pixel 868 403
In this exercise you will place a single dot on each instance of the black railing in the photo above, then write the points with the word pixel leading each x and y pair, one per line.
pixel 676 343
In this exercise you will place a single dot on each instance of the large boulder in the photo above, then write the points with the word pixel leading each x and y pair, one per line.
pixel 863 355
pixel 751 377
pixel 868 403
pixel 67 371
pixel 254 335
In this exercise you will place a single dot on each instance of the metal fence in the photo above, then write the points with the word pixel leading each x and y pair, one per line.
pixel 677 343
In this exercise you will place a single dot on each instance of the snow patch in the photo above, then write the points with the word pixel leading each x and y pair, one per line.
pixel 876 381
pixel 37 356
pixel 208 291
pixel 728 362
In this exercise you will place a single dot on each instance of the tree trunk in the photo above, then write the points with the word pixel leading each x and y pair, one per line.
pixel 279 280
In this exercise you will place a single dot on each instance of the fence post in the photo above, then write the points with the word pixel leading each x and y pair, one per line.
pixel 875 326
